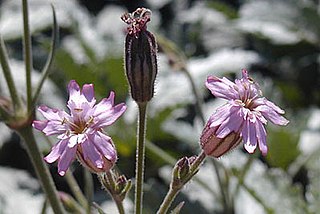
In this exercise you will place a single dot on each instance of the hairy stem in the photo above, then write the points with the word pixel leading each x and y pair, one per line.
pixel 41 169
pixel 114 196
pixel 175 189
pixel 140 153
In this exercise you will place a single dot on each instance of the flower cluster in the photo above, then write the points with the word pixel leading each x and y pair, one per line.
pixel 242 118
pixel 80 133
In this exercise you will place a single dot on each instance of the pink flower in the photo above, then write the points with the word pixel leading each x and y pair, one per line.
pixel 242 118
pixel 80 133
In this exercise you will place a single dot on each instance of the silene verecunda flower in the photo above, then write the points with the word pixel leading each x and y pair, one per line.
pixel 80 133
pixel 243 117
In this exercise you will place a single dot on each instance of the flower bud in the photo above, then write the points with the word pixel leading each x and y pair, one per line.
pixel 182 169
pixel 117 185
pixel 140 55
pixel 123 186
pixel 216 147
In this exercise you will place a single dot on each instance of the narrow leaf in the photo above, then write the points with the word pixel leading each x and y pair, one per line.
pixel 46 68
pixel 178 208
pixel 99 209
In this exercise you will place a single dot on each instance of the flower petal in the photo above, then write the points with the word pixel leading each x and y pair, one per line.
pixel 65 160
pixel 74 89
pixel 73 141
pixel 274 107
pixel 249 136
pixel 272 115
pixel 109 117
pixel 222 88
pixel 105 104
pixel 104 144
pixel 232 123
pixel 56 151
pixel 90 153
pixel 40 125
pixel 88 93
pixel 261 135
pixel 105 114
pixel 55 123
pixel 220 115
pixel 52 114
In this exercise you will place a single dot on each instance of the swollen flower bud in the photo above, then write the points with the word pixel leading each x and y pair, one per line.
pixel 140 55
pixel 216 147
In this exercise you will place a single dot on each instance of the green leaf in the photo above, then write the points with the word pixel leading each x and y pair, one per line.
pixel 47 67
pixel 99 209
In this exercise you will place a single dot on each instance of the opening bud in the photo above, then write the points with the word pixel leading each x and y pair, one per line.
pixel 216 147
pixel 140 55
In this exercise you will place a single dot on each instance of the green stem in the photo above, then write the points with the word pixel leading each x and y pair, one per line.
pixel 222 191
pixel 8 75
pixel 75 189
pixel 166 157
pixel 167 201
pixel 114 196
pixel 88 189
pixel 44 206
pixel 41 169
pixel 27 53
pixel 140 153
pixel 196 95
pixel 175 189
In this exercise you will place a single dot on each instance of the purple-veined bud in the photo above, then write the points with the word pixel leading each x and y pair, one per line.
pixel 216 147
pixel 140 55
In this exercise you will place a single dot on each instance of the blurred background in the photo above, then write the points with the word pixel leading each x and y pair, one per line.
pixel 277 41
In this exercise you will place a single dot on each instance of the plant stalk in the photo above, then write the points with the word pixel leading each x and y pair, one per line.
pixel 175 189
pixel 88 189
pixel 4 61
pixel 41 169
pixel 140 155
pixel 27 54
pixel 115 197
pixel 75 189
